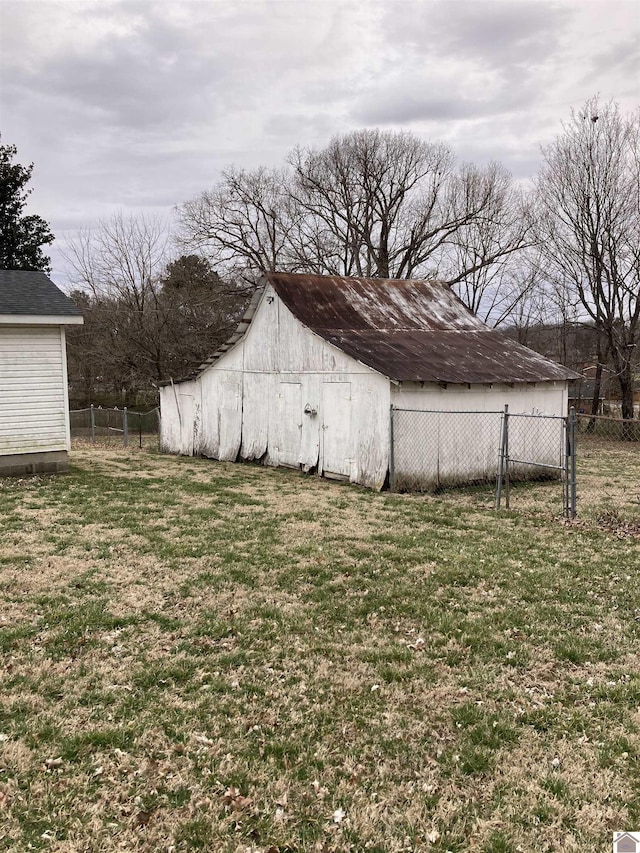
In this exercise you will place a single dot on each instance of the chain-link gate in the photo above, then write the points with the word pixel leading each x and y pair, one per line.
pixel 435 450
pixel 538 447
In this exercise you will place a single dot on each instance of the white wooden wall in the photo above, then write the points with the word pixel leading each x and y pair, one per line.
pixel 251 404
pixel 34 407
pixel 460 446
pixel 549 398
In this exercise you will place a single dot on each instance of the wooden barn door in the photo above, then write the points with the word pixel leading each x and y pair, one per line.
pixel 289 430
pixel 336 429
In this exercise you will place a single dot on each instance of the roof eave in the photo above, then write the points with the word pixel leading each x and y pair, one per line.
pixel 41 319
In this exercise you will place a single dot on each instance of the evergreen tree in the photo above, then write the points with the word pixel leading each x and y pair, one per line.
pixel 21 237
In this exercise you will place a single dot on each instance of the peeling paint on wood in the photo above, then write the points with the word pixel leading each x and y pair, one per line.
pixel 305 381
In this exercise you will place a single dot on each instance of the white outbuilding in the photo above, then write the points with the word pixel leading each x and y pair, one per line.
pixel 34 403
pixel 310 376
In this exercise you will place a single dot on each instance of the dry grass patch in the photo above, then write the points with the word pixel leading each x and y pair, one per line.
pixel 205 656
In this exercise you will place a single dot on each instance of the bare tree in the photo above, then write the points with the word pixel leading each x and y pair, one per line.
pixel 244 223
pixel 588 193
pixel 371 203
pixel 377 196
pixel 146 318
pixel 119 263
pixel 485 260
pixel 396 207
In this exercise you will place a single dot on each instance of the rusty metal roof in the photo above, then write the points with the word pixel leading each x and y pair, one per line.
pixel 410 330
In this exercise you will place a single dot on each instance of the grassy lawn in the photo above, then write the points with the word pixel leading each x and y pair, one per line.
pixel 216 657
pixel 608 475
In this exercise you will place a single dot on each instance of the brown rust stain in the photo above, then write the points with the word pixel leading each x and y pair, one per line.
pixel 410 330
pixel 407 330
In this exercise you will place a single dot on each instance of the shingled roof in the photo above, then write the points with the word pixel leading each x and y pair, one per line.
pixel 25 293
pixel 410 330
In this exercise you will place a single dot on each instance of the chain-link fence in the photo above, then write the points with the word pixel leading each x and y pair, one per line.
pixel 497 457
pixel 114 426
pixel 608 470
pixel 579 464
pixel 434 450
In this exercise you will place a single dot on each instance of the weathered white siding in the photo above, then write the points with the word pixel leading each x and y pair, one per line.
pixel 33 395
pixel 284 396
pixel 180 422
pixel 457 440
pixel 253 401
pixel 549 398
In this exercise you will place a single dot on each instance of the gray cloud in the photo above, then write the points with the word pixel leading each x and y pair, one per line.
pixel 396 108
pixel 138 104
pixel 498 34
pixel 621 59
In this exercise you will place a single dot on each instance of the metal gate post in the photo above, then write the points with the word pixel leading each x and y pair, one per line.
pixel 572 463
pixel 503 463
pixel 125 427
pixel 392 474
pixel 93 425
pixel 566 468
pixel 500 465
pixel 507 476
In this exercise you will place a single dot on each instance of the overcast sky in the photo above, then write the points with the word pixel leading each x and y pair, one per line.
pixel 137 104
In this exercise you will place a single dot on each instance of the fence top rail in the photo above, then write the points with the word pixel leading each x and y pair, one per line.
pixel 108 409
pixel 448 411
pixel 540 415
pixel 607 418
pixel 142 414
pixel 480 412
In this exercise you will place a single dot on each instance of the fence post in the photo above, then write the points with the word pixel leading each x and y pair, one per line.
pixel 566 469
pixel 392 474
pixel 125 427
pixel 572 463
pixel 507 475
pixel 140 430
pixel 93 425
pixel 500 465
pixel 503 460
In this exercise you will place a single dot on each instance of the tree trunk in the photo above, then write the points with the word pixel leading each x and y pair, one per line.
pixel 595 401
pixel 629 432
pixel 595 404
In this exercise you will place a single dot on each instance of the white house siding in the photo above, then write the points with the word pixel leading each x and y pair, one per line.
pixel 33 405
pixel 253 402
pixel 462 443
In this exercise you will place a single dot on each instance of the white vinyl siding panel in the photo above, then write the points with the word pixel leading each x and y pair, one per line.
pixel 33 416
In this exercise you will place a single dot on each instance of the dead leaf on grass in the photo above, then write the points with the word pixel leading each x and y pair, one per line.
pixel 233 798
pixel 143 818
